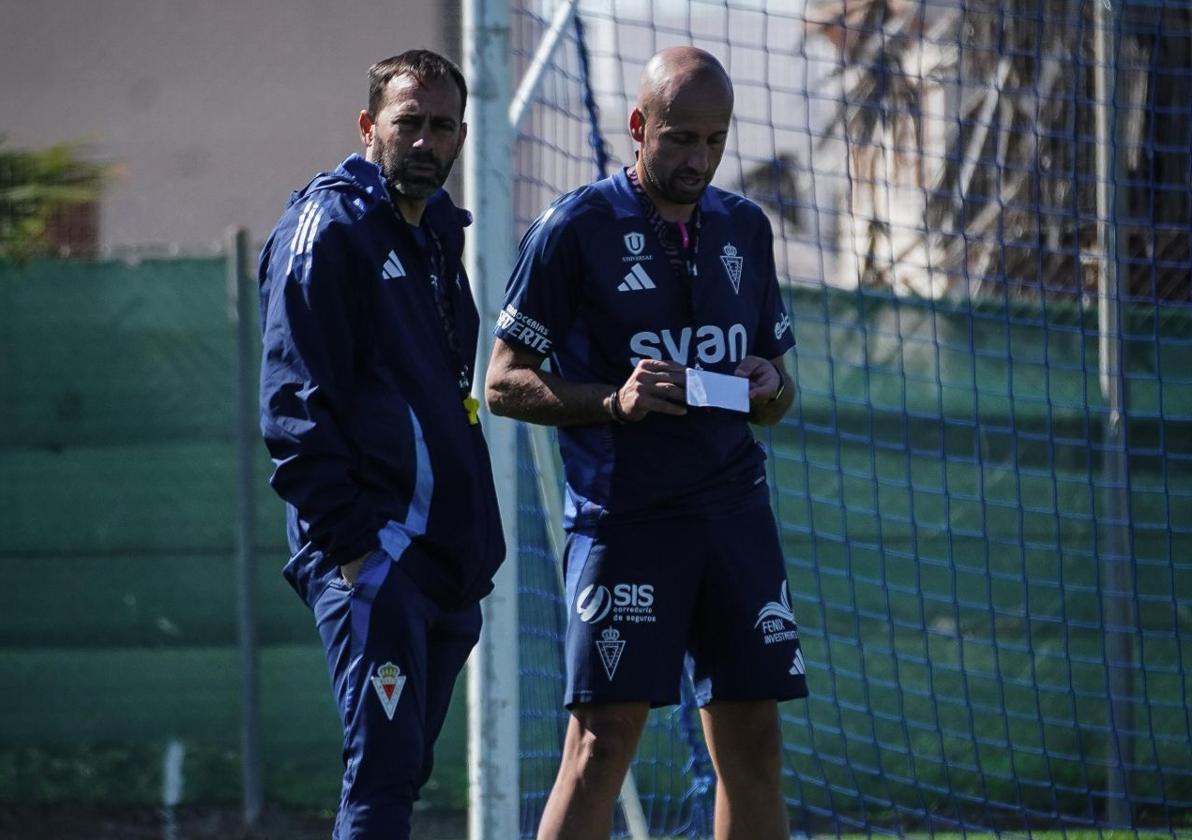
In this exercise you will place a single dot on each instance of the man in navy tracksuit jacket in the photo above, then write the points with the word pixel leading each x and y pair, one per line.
pixel 369 341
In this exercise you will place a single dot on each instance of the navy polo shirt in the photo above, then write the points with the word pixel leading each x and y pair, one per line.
pixel 594 291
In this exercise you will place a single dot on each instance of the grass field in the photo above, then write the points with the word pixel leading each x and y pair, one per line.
pixel 25 823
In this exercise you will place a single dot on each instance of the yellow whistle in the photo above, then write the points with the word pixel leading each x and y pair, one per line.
pixel 472 406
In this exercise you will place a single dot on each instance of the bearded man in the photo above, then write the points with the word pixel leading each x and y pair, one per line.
pixel 654 297
pixel 369 333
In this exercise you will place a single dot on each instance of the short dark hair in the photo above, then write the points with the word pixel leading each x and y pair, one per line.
pixel 423 65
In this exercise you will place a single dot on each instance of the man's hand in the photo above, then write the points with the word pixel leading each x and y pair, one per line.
pixel 763 377
pixel 351 570
pixel 654 385
pixel 771 388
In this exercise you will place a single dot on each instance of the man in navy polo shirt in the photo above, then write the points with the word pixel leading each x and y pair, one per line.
pixel 369 340
pixel 624 285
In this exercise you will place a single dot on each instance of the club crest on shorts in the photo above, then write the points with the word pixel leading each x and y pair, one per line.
pixel 389 682
pixel 610 647
pixel 732 266
pixel 634 242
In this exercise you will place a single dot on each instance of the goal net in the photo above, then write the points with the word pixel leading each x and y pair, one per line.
pixel 984 489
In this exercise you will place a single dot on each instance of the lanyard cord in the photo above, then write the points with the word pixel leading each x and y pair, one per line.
pixel 691 265
pixel 683 256
pixel 445 307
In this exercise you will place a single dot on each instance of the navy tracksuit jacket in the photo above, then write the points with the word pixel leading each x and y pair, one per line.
pixel 375 455
pixel 360 401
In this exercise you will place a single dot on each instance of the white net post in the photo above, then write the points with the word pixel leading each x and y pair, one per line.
pixel 493 669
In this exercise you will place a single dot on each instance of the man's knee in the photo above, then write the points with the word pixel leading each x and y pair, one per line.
pixel 597 754
pixel 747 746
pixel 601 742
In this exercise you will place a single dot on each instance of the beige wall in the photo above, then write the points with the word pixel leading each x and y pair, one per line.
pixel 214 111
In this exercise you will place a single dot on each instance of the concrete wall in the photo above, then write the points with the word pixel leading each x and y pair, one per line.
pixel 214 111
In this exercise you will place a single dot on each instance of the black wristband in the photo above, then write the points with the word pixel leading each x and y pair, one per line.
pixel 781 385
pixel 614 404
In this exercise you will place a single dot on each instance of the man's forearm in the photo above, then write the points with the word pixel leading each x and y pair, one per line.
pixel 538 396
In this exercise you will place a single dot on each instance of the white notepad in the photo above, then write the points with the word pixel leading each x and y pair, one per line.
pixel 717 390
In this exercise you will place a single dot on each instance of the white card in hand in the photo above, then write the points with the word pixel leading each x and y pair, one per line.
pixel 717 390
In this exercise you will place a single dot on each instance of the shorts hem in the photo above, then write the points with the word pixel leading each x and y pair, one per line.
pixel 585 698
pixel 704 698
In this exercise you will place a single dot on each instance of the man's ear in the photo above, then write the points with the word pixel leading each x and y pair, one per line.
pixel 463 135
pixel 366 125
pixel 637 125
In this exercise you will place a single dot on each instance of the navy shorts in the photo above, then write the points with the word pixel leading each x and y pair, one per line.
pixel 394 655
pixel 642 596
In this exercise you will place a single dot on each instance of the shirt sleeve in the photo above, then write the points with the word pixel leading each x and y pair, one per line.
pixel 774 332
pixel 543 291
pixel 307 382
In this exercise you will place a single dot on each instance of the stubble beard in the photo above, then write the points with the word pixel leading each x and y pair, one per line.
pixel 670 189
pixel 396 170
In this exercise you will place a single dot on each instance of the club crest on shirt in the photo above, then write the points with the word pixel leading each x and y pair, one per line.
pixel 389 682
pixel 610 647
pixel 732 266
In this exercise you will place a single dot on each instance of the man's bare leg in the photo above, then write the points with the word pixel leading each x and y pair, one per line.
pixel 600 743
pixel 745 742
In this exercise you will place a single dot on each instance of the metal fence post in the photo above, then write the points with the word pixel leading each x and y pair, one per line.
pixel 1116 559
pixel 243 318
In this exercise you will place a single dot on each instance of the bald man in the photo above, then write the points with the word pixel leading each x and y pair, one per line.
pixel 631 286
